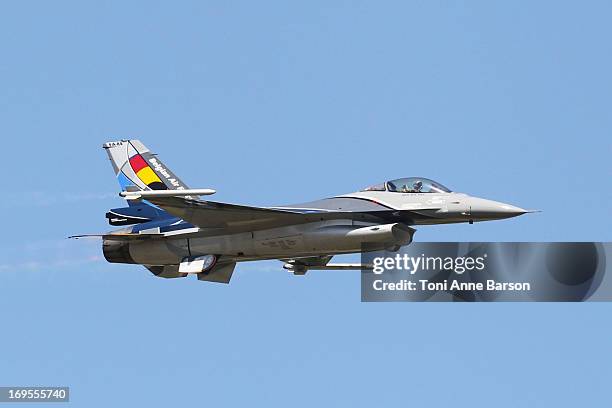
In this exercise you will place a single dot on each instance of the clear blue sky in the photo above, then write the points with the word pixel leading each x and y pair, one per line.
pixel 279 102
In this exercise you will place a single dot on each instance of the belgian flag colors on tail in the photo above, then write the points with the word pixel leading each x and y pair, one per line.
pixel 145 173
pixel 136 167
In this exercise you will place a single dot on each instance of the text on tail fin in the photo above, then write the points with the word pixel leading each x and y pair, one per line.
pixel 135 165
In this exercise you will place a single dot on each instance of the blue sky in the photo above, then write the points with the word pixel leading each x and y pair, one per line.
pixel 273 103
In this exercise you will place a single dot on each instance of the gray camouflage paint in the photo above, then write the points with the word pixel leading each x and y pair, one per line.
pixel 316 229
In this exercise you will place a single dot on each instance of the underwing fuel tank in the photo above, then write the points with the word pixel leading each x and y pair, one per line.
pixel 348 237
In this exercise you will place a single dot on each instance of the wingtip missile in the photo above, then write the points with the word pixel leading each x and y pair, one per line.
pixel 136 195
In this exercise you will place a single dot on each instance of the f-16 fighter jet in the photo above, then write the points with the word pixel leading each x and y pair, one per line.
pixel 173 232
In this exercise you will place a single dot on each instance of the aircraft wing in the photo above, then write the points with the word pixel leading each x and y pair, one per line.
pixel 232 218
pixel 210 214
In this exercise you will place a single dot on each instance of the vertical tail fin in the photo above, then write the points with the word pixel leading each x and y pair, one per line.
pixel 137 168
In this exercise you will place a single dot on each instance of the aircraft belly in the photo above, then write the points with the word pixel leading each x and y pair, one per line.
pixel 326 237
pixel 231 245
pixel 281 241
pixel 319 238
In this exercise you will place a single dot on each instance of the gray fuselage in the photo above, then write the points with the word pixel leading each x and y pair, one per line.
pixel 366 220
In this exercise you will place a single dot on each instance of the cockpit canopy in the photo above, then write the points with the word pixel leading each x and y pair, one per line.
pixel 410 185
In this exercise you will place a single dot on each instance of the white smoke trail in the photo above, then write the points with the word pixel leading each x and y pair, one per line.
pixel 40 265
pixel 50 254
pixel 45 199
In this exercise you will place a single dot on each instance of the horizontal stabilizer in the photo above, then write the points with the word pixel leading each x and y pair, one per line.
pixel 116 236
pixel 137 213
pixel 82 236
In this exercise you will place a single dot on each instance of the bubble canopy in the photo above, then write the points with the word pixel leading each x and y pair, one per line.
pixel 410 185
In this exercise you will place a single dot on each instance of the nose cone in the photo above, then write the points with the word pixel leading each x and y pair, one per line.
pixel 482 210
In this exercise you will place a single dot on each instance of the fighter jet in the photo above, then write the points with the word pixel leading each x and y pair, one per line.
pixel 173 232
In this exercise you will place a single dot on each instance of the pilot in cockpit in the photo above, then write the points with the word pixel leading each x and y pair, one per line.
pixel 417 186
